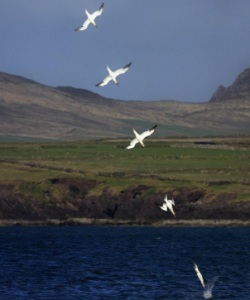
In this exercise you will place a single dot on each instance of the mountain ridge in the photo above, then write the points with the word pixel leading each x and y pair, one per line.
pixel 239 89
pixel 30 110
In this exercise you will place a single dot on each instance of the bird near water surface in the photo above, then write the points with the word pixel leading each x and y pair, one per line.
pixel 199 275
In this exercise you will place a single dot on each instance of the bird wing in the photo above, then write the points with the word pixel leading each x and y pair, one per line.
pixel 172 201
pixel 137 135
pixel 171 209
pixel 166 198
pixel 122 70
pixel 98 12
pixel 105 81
pixel 148 132
pixel 132 143
pixel 199 275
pixel 84 26
pixel 164 207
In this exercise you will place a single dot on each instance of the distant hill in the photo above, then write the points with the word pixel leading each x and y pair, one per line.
pixel 30 110
pixel 240 89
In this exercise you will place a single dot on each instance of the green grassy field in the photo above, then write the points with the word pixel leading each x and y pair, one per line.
pixel 161 164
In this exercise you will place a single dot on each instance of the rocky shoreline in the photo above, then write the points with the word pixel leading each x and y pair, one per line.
pixel 69 202
pixel 108 222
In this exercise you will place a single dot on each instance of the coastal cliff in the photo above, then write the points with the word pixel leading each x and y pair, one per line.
pixel 135 205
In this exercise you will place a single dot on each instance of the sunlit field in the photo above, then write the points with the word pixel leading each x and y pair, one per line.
pixel 223 164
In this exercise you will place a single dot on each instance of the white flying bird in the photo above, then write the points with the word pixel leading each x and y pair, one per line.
pixel 140 137
pixel 113 74
pixel 90 18
pixel 168 204
pixel 199 275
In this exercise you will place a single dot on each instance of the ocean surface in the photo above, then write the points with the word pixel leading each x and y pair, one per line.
pixel 119 263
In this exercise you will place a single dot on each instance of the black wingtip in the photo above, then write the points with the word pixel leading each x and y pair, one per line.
pixel 154 127
pixel 99 83
pixel 101 6
pixel 127 66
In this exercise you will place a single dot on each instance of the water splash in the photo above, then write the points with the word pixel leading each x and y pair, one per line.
pixel 208 294
pixel 209 288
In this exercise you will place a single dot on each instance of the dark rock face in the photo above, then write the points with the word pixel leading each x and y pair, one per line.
pixel 136 204
pixel 238 90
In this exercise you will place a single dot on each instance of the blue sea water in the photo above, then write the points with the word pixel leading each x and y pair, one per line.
pixel 39 263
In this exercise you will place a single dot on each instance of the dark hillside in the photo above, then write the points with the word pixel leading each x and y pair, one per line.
pixel 30 110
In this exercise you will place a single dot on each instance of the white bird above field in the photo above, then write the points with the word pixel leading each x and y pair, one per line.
pixel 113 74
pixel 140 137
pixel 199 275
pixel 90 18
pixel 168 204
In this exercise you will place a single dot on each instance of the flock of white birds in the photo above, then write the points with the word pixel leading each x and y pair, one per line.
pixel 91 20
pixel 112 75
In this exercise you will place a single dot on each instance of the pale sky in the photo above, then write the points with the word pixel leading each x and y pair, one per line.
pixel 179 49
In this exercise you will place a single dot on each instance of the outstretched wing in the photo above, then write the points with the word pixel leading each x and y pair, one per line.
pixel 172 201
pixel 199 275
pixel 98 12
pixel 105 81
pixel 164 207
pixel 166 198
pixel 84 26
pixel 171 209
pixel 148 132
pixel 122 70
pixel 132 143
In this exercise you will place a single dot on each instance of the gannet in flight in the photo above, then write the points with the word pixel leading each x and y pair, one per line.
pixel 199 275
pixel 168 204
pixel 113 74
pixel 90 18
pixel 140 137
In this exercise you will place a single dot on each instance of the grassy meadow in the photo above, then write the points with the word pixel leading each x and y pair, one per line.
pixel 222 165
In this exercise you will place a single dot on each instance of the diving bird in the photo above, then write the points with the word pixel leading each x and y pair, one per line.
pixel 113 74
pixel 140 137
pixel 199 275
pixel 90 18
pixel 168 204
